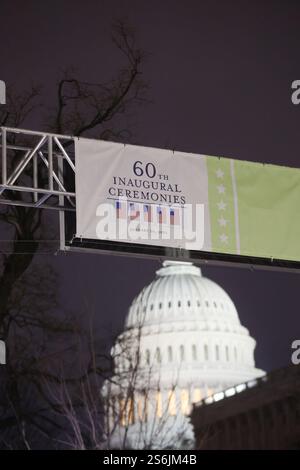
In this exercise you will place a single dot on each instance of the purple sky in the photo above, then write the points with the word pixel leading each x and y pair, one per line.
pixel 220 76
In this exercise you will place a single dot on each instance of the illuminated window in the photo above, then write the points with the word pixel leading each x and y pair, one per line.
pixel 217 353
pixel 227 353
pixel 170 354
pixel 235 353
pixel 172 403
pixel 158 405
pixel 210 392
pixel 126 408
pixel 147 356
pixel 206 352
pixel 137 356
pixel 184 401
pixel 158 355
pixel 130 411
pixel 122 411
pixel 197 395
pixel 142 408
pixel 194 352
pixel 113 408
pixel 181 349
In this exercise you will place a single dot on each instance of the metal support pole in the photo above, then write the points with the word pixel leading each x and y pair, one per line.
pixel 4 159
pixel 4 180
pixel 50 163
pixel 26 189
pixel 62 229
pixel 35 177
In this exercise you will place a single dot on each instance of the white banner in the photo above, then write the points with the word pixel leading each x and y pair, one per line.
pixel 196 202
pixel 141 195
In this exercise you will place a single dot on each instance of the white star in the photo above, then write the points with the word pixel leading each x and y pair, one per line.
pixel 222 222
pixel 221 205
pixel 221 189
pixel 219 173
pixel 224 238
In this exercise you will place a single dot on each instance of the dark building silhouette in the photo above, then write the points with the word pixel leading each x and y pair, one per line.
pixel 261 414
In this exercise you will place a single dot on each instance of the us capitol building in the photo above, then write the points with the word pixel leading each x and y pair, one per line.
pixel 182 342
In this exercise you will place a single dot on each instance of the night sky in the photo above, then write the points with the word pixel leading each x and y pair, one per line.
pixel 220 75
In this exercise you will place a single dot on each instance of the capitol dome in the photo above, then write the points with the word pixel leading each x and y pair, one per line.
pixel 188 340
pixel 181 295
pixel 190 322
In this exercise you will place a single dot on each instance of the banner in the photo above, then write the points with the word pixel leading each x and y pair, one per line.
pixel 196 202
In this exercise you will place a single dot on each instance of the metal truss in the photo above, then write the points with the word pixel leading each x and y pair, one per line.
pixel 38 169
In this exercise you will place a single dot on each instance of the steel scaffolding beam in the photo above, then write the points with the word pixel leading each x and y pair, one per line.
pixel 33 165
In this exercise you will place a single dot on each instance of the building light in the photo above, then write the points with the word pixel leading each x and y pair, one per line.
pixel 208 400
pixel 230 392
pixel 172 403
pixel 142 407
pixel 219 396
pixel 158 405
pixel 185 402
pixel 239 388
pixel 251 383
pixel 197 395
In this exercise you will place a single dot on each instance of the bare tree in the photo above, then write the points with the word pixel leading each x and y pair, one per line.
pixel 94 108
pixel 29 314
pixel 141 411
pixel 133 409
pixel 82 108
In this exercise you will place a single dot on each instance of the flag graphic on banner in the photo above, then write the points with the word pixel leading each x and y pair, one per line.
pixel 121 210
pixel 161 211
pixel 174 216
pixel 134 211
pixel 147 213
